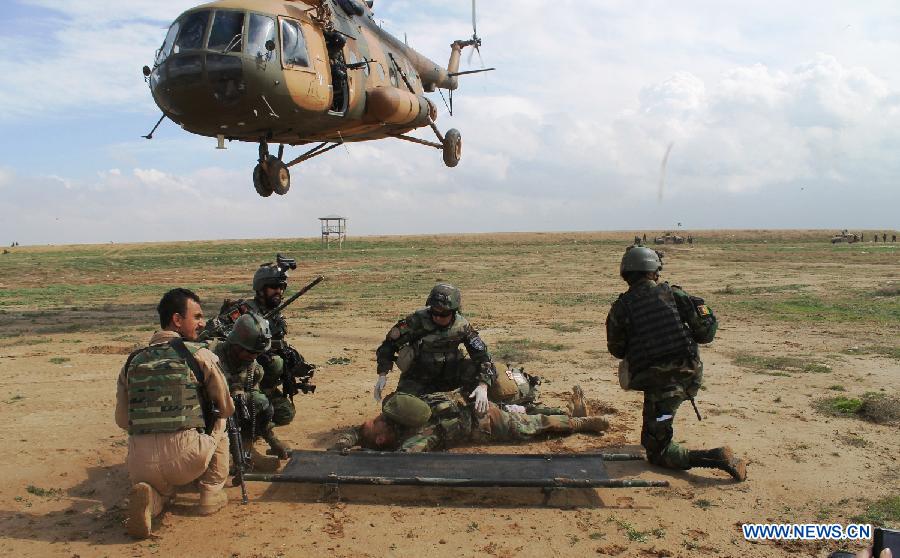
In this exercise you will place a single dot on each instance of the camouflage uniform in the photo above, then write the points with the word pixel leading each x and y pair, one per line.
pixel 437 363
pixel 453 422
pixel 664 363
pixel 273 366
pixel 244 379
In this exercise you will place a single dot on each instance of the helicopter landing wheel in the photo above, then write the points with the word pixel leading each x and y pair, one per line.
pixel 452 147
pixel 261 182
pixel 279 175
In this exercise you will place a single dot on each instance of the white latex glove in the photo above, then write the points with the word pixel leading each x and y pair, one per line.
pixel 379 385
pixel 514 409
pixel 480 397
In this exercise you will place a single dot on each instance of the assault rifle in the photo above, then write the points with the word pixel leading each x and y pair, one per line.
pixel 239 457
pixel 297 373
pixel 294 297
pixel 231 310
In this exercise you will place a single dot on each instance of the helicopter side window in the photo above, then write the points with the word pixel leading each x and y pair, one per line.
pixel 261 30
pixel 293 45
pixel 227 31
pixel 166 49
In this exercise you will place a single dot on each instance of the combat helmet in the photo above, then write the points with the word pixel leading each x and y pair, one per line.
pixel 273 273
pixel 269 274
pixel 405 409
pixel 252 333
pixel 639 258
pixel 445 295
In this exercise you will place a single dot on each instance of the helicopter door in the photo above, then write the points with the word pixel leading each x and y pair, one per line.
pixel 306 73
pixel 334 43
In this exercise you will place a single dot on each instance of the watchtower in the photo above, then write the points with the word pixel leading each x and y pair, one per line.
pixel 334 229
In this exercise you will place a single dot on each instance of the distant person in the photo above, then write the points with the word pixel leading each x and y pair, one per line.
pixel 442 420
pixel 655 329
pixel 645 237
pixel 426 347
pixel 884 237
pixel 637 240
pixel 170 440
pixel 893 238
pixel 690 239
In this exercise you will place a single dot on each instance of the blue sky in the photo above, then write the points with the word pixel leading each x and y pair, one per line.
pixel 780 115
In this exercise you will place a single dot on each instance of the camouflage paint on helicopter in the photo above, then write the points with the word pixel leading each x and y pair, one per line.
pixel 297 72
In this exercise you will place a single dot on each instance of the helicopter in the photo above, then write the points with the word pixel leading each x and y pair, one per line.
pixel 299 72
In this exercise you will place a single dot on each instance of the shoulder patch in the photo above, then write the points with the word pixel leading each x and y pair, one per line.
pixel 476 343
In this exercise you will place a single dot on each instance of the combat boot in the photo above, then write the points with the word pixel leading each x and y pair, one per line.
pixel 262 463
pixel 719 458
pixel 577 405
pixel 140 510
pixel 589 424
pixel 211 501
pixel 276 446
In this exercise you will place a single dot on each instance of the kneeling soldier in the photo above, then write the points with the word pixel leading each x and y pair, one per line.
pixel 248 339
pixel 165 397
pixel 426 347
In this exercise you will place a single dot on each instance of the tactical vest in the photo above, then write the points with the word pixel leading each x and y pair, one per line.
pixel 438 350
pixel 162 393
pixel 656 332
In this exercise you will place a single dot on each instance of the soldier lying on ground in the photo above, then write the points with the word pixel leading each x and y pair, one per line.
pixel 438 421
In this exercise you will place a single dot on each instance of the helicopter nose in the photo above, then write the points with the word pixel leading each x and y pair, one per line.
pixel 198 86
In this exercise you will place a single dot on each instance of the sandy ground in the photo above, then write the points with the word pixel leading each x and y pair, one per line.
pixel 60 439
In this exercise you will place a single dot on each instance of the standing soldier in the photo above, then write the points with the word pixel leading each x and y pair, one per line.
pixel 167 396
pixel 655 329
pixel 248 339
pixel 442 420
pixel 425 346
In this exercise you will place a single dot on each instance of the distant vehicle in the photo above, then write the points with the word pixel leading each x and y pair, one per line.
pixel 845 236
pixel 668 238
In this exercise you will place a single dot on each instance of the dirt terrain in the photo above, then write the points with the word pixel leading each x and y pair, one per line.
pixel 802 381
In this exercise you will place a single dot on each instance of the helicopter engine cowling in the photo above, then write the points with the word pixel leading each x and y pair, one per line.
pixel 392 105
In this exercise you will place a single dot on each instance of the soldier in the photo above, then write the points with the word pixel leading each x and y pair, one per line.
pixel 893 238
pixel 655 329
pixel 269 284
pixel 249 338
pixel 425 346
pixel 884 237
pixel 181 444
pixel 442 420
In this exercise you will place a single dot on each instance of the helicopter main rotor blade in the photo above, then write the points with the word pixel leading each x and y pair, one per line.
pixel 474 28
pixel 469 59
pixel 480 59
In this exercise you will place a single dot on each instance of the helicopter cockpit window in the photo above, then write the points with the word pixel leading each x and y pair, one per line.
pixel 293 45
pixel 166 49
pixel 227 31
pixel 261 30
pixel 193 30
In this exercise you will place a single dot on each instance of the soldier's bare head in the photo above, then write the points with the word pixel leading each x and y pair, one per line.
pixel 179 311
pixel 377 433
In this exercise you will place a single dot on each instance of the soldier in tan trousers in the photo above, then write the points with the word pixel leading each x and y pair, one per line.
pixel 157 402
